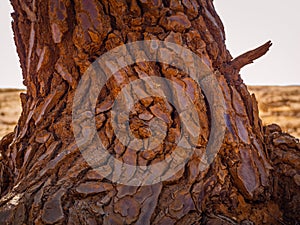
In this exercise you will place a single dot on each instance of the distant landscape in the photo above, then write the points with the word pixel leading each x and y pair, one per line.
pixel 10 110
pixel 280 105
pixel 277 104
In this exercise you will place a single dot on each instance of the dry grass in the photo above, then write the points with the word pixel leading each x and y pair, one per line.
pixel 279 105
pixel 10 110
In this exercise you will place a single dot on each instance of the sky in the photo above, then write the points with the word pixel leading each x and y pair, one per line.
pixel 248 24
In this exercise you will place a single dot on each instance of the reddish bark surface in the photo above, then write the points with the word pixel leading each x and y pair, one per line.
pixel 254 179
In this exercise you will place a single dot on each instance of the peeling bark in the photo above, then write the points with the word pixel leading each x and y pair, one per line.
pixel 44 178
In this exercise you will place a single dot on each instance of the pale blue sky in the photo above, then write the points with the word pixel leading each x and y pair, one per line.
pixel 248 24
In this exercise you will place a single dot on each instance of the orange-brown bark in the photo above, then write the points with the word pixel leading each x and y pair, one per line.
pixel 45 180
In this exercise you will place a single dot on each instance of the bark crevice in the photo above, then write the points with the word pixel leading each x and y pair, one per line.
pixel 254 179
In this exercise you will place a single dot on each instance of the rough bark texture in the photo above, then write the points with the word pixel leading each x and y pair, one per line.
pixel 255 177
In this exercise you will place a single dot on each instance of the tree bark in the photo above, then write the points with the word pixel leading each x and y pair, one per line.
pixel 45 180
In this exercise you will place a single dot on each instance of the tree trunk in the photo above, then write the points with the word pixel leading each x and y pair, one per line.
pixel 45 179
